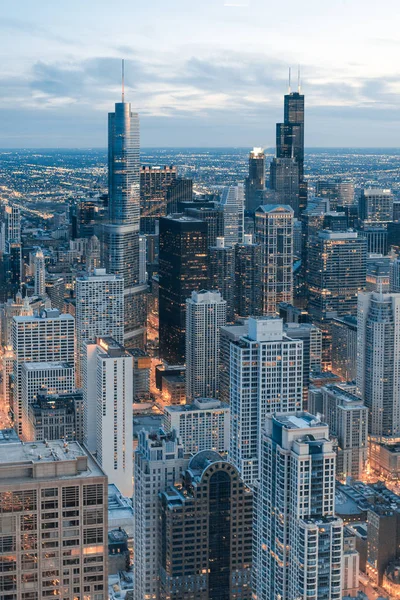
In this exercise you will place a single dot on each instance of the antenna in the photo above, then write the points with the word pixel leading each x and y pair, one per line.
pixel 290 87
pixel 123 80
pixel 298 79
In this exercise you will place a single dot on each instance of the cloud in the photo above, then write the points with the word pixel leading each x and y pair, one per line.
pixel 221 91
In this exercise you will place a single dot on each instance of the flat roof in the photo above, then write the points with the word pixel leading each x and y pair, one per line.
pixel 30 453
pixel 199 404
pixel 301 420
pixel 35 366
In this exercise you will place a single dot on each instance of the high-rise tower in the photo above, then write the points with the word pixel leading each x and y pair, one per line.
pixel 266 377
pixel 205 315
pixel 183 269
pixel 274 233
pixel 121 233
pixel 297 540
pixel 40 274
pixel 290 140
pixel 255 182
pixel 378 360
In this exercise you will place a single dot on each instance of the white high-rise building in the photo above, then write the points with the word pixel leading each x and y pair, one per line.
pixel 378 360
pixel 99 309
pixel 45 337
pixel 232 203
pixel 159 464
pixel 40 274
pixel 347 419
pixel 108 411
pixel 205 315
pixel 274 232
pixel 266 376
pixel 203 425
pixel 55 377
pixel 298 542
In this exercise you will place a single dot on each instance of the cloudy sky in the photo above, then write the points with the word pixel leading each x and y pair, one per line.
pixel 200 72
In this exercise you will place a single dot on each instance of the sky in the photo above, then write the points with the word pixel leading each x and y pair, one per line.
pixel 199 72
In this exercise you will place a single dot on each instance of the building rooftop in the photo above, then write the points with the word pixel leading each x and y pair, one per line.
pixel 37 366
pixel 45 314
pixel 198 404
pixel 30 460
pixel 111 347
pixel 326 234
pixel 300 420
pixel 99 275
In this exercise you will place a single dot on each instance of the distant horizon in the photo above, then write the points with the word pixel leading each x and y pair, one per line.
pixel 271 149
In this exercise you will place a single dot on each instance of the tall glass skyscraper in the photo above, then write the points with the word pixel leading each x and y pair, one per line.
pixel 121 233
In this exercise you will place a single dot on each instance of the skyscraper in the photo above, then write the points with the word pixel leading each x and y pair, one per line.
pixel 290 139
pixel 347 418
pixel 10 225
pixel 180 190
pixel 248 278
pixel 205 315
pixel 40 274
pixel 274 233
pixel 297 540
pixel 55 377
pixel 154 184
pixel 284 180
pixel 378 360
pixel 121 233
pixel 203 425
pixel 336 274
pixel 212 558
pixel 266 376
pixel 376 205
pixel 107 408
pixel 99 310
pixel 159 464
pixel 339 192
pixel 46 489
pixel 45 337
pixel 232 203
pixel 221 273
pixel 182 270
pixel 255 182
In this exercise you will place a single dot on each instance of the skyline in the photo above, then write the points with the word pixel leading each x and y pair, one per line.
pixel 211 75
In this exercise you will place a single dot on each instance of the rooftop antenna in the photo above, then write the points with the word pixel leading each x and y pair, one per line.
pixel 290 87
pixel 123 80
pixel 298 79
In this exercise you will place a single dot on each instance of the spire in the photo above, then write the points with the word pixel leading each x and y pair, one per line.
pixel 290 87
pixel 123 80
pixel 298 80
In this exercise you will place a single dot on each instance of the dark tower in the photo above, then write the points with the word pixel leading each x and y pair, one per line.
pixel 248 278
pixel 290 140
pixel 221 273
pixel 182 269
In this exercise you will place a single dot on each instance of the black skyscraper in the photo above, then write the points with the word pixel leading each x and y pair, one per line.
pixel 290 140
pixel 183 268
